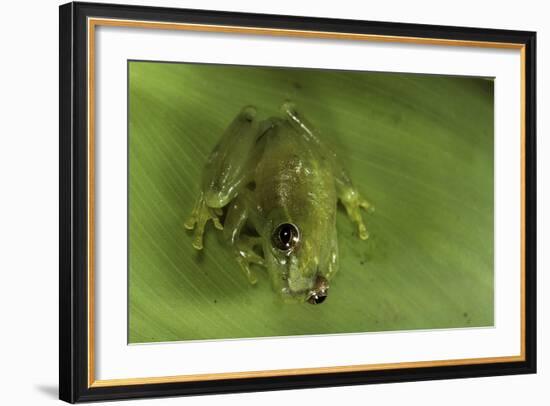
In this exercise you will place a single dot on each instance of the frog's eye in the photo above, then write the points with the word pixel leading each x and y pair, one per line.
pixel 286 236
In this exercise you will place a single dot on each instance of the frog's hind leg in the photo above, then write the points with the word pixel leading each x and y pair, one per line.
pixel 199 217
pixel 348 195
pixel 225 170
pixel 352 201
pixel 243 245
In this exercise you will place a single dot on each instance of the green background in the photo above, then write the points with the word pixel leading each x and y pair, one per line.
pixel 419 147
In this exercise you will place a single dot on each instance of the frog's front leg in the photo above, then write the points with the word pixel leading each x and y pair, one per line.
pixel 226 170
pixel 239 212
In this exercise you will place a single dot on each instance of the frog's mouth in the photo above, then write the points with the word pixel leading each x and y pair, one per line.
pixel 295 287
pixel 302 289
pixel 317 294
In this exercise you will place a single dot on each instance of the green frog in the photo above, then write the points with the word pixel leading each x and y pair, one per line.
pixel 273 188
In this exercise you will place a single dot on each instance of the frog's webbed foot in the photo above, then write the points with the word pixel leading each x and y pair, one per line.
pixel 353 203
pixel 246 256
pixel 199 218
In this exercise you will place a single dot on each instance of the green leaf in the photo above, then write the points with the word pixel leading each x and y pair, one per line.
pixel 420 147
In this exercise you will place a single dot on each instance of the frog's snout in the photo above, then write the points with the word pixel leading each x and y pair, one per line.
pixel 317 298
pixel 320 291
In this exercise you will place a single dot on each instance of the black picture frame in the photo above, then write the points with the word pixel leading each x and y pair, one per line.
pixel 74 385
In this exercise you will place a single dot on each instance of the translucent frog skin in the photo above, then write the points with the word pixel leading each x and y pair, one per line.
pixel 277 178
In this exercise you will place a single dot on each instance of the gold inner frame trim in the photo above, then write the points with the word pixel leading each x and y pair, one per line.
pixel 94 22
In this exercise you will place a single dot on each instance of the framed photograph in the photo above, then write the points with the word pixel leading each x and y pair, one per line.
pixel 257 202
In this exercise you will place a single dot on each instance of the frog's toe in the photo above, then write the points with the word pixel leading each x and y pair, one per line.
pixel 363 233
pixel 200 225
pixel 190 223
pixel 199 237
pixel 198 220
pixel 217 222
pixel 194 223
pixel 249 273
pixel 246 257
pixel 368 207
pixel 197 244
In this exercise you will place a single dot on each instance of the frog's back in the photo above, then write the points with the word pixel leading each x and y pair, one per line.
pixel 294 175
